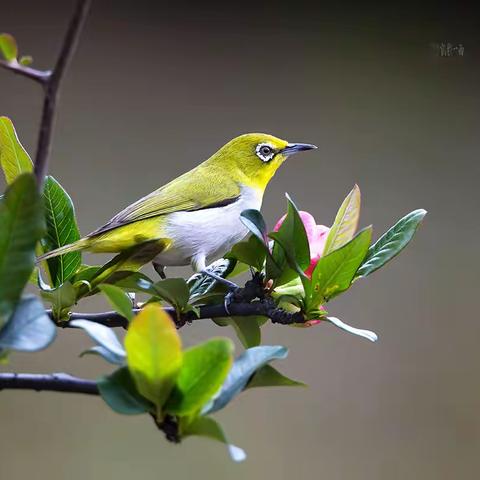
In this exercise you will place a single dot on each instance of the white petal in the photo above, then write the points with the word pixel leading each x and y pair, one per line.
pixel 369 335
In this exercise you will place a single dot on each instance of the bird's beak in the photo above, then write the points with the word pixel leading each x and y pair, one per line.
pixel 293 148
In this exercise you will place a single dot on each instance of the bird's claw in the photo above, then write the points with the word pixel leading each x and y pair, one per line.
pixel 230 298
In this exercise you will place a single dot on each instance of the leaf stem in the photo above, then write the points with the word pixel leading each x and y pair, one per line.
pixel 40 76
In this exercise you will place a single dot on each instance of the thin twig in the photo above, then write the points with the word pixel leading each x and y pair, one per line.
pixel 52 88
pixel 40 76
pixel 54 382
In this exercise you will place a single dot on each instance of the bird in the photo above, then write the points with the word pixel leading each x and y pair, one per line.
pixel 195 218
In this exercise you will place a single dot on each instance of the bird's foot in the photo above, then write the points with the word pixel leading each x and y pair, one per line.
pixel 252 290
pixel 232 288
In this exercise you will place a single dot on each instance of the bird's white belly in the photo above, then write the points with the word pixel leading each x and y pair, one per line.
pixel 205 235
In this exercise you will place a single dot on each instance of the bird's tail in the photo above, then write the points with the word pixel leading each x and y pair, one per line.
pixel 72 247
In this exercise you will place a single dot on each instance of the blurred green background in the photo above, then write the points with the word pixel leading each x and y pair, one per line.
pixel 157 87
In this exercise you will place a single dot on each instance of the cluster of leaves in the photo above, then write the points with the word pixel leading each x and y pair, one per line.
pixel 283 256
pixel 179 388
pixel 9 51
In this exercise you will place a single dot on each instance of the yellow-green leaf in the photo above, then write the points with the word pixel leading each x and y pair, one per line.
pixel 13 157
pixel 346 222
pixel 334 273
pixel 154 355
pixel 8 47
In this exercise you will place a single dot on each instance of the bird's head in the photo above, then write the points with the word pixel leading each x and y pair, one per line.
pixel 255 157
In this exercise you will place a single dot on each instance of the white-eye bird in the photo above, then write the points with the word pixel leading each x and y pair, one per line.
pixel 196 217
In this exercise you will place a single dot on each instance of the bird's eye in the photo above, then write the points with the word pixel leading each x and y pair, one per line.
pixel 265 152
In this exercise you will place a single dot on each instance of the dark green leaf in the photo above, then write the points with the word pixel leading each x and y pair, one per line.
pixel 119 300
pixel 208 427
pixel 13 156
pixel 204 369
pixel 104 336
pixel 173 290
pixel 251 252
pixel 247 329
pixel 119 392
pixel 293 239
pixel 243 368
pixel 334 273
pixel 254 221
pixel 21 226
pixel 267 376
pixel 8 47
pixel 61 230
pixel 29 328
pixel 391 243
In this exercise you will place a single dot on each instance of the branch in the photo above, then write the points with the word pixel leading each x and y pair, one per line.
pixel 52 85
pixel 40 76
pixel 265 307
pixel 54 382
pixel 63 382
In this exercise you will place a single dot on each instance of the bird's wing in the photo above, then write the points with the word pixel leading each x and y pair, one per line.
pixel 186 193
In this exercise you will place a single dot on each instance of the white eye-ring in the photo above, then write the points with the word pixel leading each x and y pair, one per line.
pixel 265 152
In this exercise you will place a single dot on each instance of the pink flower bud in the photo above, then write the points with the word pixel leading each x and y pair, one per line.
pixel 317 236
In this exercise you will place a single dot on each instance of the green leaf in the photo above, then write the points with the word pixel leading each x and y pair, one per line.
pixel 29 328
pixel 251 252
pixel 8 47
pixel 61 230
pixel 292 238
pixel 119 300
pixel 21 226
pixel 205 367
pixel 173 290
pixel 105 337
pixel 13 157
pixel 346 222
pixel 391 243
pixel 248 329
pixel 25 60
pixel 209 428
pixel 254 221
pixel 334 273
pixel 243 368
pixel 154 354
pixel 61 299
pixel 120 394
pixel 267 376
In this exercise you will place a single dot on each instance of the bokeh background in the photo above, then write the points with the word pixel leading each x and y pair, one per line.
pixel 155 88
